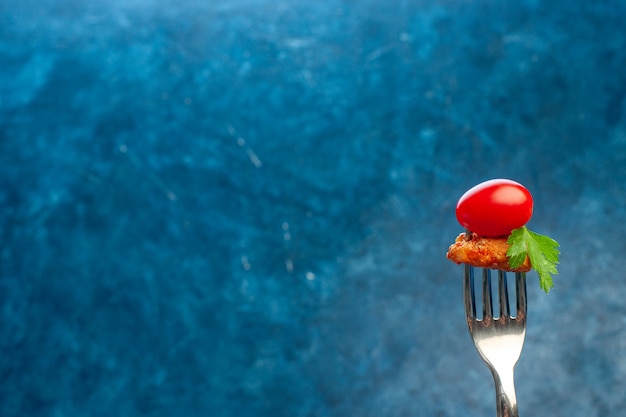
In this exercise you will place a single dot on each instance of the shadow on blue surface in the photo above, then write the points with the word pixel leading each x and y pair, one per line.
pixel 242 208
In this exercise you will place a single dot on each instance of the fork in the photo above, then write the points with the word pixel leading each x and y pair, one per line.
pixel 498 340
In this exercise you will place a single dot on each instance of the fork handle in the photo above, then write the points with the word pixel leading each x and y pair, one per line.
pixel 506 402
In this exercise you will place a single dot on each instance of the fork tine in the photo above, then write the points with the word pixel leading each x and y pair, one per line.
pixel 504 294
pixel 487 301
pixel 520 283
pixel 468 292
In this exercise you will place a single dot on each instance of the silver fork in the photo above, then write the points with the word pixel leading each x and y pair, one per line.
pixel 499 340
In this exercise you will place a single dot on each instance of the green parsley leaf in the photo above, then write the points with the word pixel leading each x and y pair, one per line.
pixel 542 251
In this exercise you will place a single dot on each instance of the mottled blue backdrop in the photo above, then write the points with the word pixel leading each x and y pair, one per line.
pixel 236 208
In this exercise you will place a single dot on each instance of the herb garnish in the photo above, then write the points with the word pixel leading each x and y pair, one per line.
pixel 542 251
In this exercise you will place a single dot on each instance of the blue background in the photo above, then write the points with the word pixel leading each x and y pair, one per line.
pixel 242 208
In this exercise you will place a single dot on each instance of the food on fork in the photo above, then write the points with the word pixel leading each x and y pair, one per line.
pixel 484 252
pixel 494 208
pixel 494 214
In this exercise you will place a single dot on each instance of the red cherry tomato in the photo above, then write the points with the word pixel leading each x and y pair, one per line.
pixel 494 208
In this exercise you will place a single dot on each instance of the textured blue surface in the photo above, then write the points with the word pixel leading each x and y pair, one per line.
pixel 241 208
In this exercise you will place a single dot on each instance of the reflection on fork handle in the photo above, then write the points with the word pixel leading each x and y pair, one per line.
pixel 506 402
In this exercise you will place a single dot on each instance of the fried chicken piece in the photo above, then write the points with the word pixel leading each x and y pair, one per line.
pixel 483 252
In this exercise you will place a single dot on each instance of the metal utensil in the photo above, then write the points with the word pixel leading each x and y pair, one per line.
pixel 498 340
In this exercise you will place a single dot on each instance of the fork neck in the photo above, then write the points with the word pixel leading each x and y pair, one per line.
pixel 506 402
